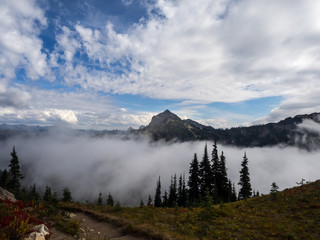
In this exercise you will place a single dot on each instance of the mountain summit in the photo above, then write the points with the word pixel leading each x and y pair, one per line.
pixel 168 126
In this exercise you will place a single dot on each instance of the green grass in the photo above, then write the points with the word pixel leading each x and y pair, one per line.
pixel 294 214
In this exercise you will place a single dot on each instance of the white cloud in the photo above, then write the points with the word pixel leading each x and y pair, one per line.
pixel 20 46
pixel 81 109
pixel 222 51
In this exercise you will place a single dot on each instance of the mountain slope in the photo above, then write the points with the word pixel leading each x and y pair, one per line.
pixel 290 215
pixel 168 126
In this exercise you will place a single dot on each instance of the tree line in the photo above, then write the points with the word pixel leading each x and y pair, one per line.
pixel 207 177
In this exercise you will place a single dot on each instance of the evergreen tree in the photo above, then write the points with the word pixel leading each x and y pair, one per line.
pixel 34 194
pixel 194 181
pixel 223 183
pixel 100 200
pixel 110 201
pixel 54 198
pixel 216 175
pixel 149 203
pixel 4 179
pixel 141 203
pixel 15 173
pixel 66 195
pixel 157 197
pixel 184 193
pixel 258 194
pixel 245 190
pixel 233 194
pixel 206 175
pixel 165 201
pixel 274 191
pixel 172 200
pixel 47 194
pixel 179 194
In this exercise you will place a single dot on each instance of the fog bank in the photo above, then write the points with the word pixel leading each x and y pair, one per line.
pixel 129 168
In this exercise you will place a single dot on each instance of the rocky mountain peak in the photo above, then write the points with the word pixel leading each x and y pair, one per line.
pixel 163 118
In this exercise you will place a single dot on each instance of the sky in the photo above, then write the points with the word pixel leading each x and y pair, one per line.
pixel 113 64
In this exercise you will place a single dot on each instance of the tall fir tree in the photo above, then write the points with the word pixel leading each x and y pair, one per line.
pixel 245 189
pixel 216 174
pixel 179 194
pixel 206 175
pixel 157 197
pixel 182 192
pixel 172 200
pixel 194 181
pixel 15 173
pixel 223 181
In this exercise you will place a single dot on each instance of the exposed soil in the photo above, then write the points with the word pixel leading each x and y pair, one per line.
pixel 92 229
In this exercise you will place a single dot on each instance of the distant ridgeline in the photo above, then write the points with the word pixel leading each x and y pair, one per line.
pixel 302 131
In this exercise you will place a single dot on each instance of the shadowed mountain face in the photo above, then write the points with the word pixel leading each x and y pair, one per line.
pixel 169 127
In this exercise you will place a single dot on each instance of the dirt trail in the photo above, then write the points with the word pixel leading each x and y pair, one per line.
pixel 92 229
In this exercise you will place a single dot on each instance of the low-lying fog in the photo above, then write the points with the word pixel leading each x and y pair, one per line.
pixel 129 169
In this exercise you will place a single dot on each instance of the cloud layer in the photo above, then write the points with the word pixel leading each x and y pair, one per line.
pixel 129 169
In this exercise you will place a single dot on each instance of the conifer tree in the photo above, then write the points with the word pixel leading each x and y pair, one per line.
pixel 54 198
pixel 179 196
pixel 66 195
pixel 245 190
pixel 110 201
pixel 149 202
pixel 233 193
pixel 172 200
pixel 223 182
pixel 157 197
pixel 182 192
pixel 4 179
pixel 274 191
pixel 194 181
pixel 165 201
pixel 141 203
pixel 100 200
pixel 15 173
pixel 206 175
pixel 34 194
pixel 47 194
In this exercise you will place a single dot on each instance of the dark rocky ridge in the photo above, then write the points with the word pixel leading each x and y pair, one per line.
pixel 169 127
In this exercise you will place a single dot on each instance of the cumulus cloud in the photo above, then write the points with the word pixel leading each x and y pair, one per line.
pixel 129 169
pixel 80 109
pixel 20 46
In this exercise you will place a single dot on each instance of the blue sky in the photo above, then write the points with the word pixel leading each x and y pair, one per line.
pixel 114 64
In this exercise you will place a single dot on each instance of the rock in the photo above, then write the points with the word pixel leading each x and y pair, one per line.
pixel 35 236
pixel 72 215
pixel 6 195
pixel 82 230
pixel 91 230
pixel 42 229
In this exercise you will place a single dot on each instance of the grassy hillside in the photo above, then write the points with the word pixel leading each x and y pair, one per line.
pixel 293 214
